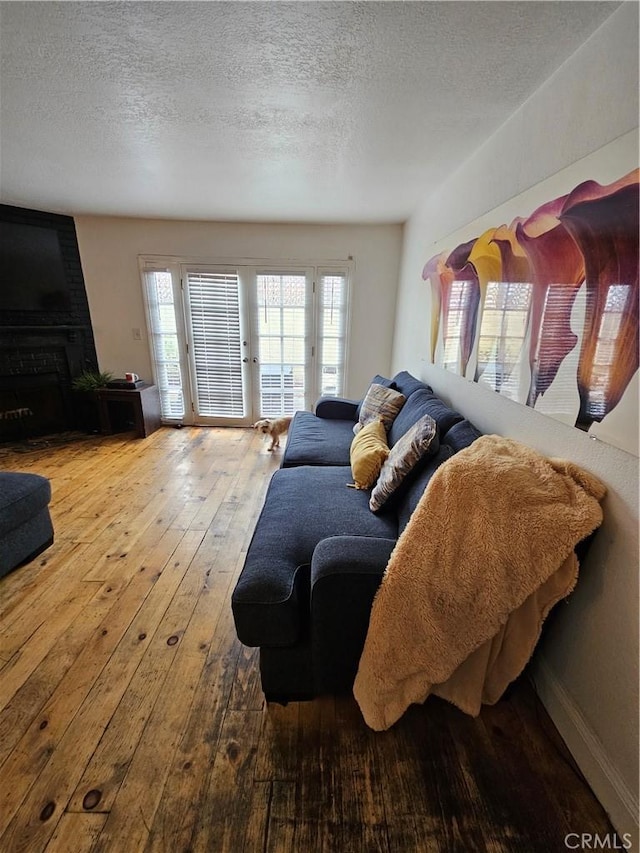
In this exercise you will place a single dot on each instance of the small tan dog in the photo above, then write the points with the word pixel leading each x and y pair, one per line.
pixel 275 427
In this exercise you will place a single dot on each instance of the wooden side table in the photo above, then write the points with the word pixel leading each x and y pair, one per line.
pixel 145 408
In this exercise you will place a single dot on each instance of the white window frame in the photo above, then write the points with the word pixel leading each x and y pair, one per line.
pixel 151 264
pixel 320 272
pixel 247 268
pixel 309 332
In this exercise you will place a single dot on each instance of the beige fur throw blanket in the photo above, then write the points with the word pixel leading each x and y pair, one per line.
pixel 486 554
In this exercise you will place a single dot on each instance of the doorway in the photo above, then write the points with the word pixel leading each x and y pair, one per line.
pixel 233 343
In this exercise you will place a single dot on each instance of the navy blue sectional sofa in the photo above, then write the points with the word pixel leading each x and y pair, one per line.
pixel 25 524
pixel 318 552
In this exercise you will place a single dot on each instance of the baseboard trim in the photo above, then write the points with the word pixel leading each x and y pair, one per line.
pixel 610 789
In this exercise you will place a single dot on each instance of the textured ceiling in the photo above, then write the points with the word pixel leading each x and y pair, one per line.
pixel 268 111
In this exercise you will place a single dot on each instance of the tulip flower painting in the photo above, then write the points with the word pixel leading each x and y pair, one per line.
pixel 603 221
pixel 557 273
pixel 456 289
pixel 586 242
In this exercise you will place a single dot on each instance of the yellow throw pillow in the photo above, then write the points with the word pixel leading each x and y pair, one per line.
pixel 369 449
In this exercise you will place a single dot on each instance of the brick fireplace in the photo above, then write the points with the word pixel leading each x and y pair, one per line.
pixel 41 351
pixel 37 364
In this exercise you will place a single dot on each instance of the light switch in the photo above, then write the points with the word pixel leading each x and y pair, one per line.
pixel 137 334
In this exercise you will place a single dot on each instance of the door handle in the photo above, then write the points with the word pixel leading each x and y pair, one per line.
pixel 245 360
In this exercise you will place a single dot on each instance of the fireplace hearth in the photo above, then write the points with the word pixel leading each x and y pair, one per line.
pixel 35 406
pixel 36 368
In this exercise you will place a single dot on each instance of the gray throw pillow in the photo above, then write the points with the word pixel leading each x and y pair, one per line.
pixel 413 446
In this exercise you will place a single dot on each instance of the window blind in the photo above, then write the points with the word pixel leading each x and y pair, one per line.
pixel 214 310
pixel 332 324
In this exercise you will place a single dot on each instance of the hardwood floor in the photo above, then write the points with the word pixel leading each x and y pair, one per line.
pixel 132 719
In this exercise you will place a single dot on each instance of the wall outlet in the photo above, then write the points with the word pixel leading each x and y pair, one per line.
pixel 137 334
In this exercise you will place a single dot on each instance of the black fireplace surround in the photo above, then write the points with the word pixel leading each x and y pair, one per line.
pixel 44 342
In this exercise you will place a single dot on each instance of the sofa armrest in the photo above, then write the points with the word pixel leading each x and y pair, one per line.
pixel 337 408
pixel 345 575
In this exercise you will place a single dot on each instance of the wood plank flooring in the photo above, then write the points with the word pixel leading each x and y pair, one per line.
pixel 131 718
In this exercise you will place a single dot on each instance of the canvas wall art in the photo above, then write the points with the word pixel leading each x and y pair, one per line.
pixel 545 310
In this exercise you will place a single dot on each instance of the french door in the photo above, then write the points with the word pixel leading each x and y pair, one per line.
pixel 217 343
pixel 282 336
pixel 231 344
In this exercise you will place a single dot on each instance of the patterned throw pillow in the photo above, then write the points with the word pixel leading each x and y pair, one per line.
pixel 378 380
pixel 369 449
pixel 379 402
pixel 413 446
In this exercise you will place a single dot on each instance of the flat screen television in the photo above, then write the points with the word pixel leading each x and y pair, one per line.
pixel 32 273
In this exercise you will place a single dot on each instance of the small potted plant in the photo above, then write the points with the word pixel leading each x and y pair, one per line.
pixel 85 386
pixel 91 380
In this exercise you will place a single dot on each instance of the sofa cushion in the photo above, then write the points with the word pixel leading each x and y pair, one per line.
pixel 317 441
pixel 369 449
pixel 411 412
pixel 423 402
pixel 407 384
pixel 460 435
pixel 302 507
pixel 419 442
pixel 380 402
pixel 22 496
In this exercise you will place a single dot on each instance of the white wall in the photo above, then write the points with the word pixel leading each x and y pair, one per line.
pixel 587 664
pixel 109 249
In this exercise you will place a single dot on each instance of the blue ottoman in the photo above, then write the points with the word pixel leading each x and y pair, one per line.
pixel 25 523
